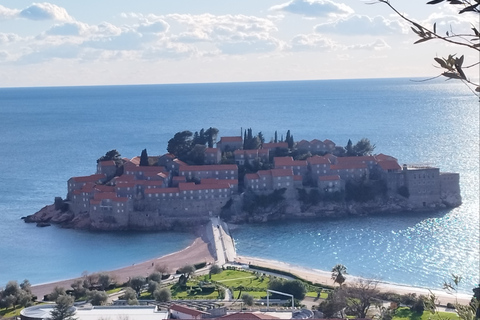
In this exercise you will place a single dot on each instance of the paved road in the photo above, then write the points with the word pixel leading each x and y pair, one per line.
pixel 224 245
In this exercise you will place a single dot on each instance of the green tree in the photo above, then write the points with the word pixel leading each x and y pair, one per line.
pixel 78 289
pixel 349 149
pixel 152 286
pixel 155 276
pixel 63 309
pixel 338 273
pixel 144 158
pixel 211 136
pixel 187 270
pixel 110 155
pixel 247 299
pixel 363 147
pixel 453 67
pixel 181 144
pixel 57 292
pixel 104 281
pixel 162 295
pixel 97 298
pixel 136 283
pixel 215 269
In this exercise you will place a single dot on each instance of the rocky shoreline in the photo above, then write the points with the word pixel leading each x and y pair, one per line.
pixel 285 210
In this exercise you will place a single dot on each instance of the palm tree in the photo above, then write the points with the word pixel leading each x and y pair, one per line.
pixel 338 274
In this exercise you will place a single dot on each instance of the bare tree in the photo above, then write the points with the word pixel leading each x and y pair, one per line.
pixel 361 295
pixel 453 67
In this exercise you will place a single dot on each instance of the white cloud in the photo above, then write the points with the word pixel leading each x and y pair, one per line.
pixel 231 34
pixel 153 27
pixel 6 13
pixel 8 38
pixel 45 11
pixel 314 8
pixel 68 29
pixel 377 45
pixel 364 25
pixel 312 42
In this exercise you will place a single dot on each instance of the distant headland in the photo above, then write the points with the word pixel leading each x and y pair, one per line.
pixel 245 179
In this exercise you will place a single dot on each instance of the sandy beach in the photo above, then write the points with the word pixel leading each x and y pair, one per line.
pixel 198 251
pixel 203 250
pixel 324 277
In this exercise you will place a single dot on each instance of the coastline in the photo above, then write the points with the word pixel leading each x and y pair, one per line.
pixel 203 250
pixel 199 251
pixel 324 277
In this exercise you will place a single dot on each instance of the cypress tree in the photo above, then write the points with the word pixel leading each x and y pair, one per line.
pixel 144 158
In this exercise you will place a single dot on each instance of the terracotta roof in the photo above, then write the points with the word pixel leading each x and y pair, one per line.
pixel 135 160
pixel 252 176
pixel 179 178
pixel 282 161
pixel 248 316
pixel 186 310
pixel 231 139
pixel 120 199
pixel 382 157
pixel 107 163
pixel 281 172
pixel 104 188
pixel 298 178
pixel 389 165
pixel 318 160
pixel 264 172
pixel 95 202
pixel 316 141
pixel 179 162
pixel 154 183
pixel 90 178
pixel 327 141
pixel 329 178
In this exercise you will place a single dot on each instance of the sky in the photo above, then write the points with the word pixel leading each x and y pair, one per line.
pixel 69 43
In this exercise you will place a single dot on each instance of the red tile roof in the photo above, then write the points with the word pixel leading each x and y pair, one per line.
pixel 104 188
pixel 107 163
pixel 90 178
pixel 329 178
pixel 281 172
pixel 382 157
pixel 179 178
pixel 297 178
pixel 252 176
pixel 186 310
pixel 95 202
pixel 135 160
pixel 318 160
pixel 389 165
pixel 120 199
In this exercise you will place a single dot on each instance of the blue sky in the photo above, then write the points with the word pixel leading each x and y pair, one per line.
pixel 186 41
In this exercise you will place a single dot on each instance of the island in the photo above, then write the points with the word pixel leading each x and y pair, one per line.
pixel 245 179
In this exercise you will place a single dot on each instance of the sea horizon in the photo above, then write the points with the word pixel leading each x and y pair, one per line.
pixel 53 133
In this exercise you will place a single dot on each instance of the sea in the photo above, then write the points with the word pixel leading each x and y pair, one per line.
pixel 49 134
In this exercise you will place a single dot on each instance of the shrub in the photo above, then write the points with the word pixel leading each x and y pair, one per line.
pixel 200 265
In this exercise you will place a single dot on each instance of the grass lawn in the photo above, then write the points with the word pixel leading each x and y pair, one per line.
pixel 313 294
pixel 183 294
pixel 404 313
pixel 236 278
pixel 254 294
pixel 10 312
pixel 115 290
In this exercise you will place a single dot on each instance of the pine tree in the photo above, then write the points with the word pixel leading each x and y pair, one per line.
pixel 64 309
pixel 276 137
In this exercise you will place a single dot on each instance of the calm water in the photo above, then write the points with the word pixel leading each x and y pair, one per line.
pixel 51 134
